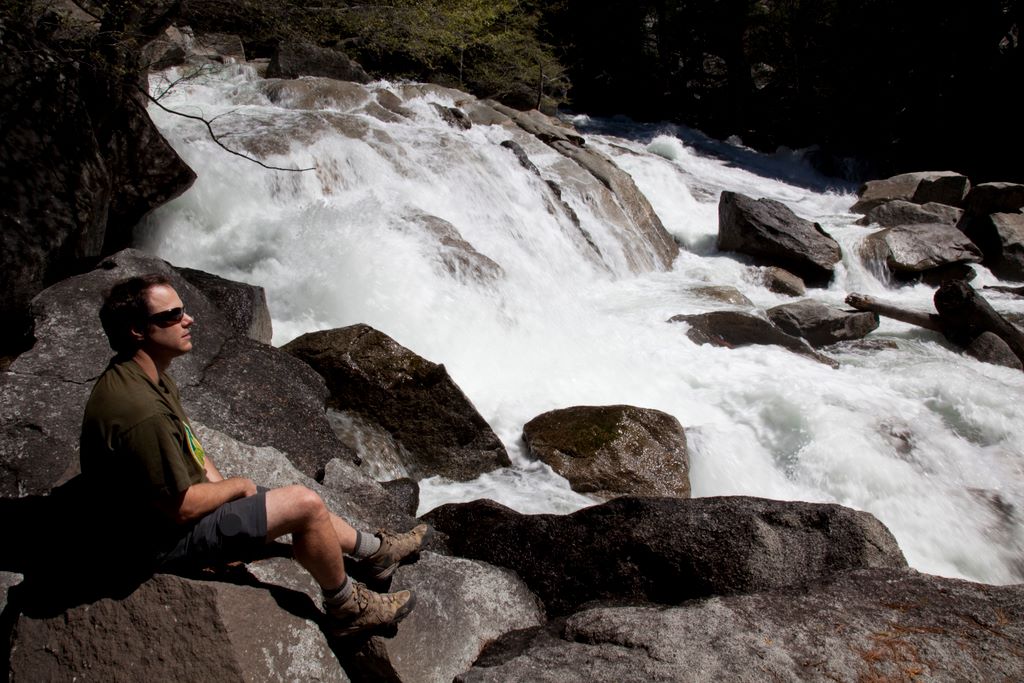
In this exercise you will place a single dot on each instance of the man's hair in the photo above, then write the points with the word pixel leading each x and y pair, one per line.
pixel 125 306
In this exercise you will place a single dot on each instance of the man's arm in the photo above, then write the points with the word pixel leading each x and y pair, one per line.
pixel 201 499
pixel 212 473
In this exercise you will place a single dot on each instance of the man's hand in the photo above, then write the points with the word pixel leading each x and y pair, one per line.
pixel 201 499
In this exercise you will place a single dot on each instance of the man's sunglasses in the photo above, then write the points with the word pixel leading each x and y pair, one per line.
pixel 168 317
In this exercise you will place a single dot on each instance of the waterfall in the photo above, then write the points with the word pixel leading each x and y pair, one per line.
pixel 537 291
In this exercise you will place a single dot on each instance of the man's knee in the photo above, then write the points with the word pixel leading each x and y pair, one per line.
pixel 306 503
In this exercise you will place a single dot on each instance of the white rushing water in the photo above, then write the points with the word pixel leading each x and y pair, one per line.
pixel 924 438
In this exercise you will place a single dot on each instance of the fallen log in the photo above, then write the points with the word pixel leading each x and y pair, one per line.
pixel 1016 291
pixel 862 302
pixel 963 315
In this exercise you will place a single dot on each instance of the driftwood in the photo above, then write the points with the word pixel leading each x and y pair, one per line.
pixel 862 302
pixel 962 316
pixel 1016 291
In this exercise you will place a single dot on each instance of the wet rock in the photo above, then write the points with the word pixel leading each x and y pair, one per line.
pixel 989 347
pixel 393 103
pixel 988 198
pixel 901 212
pixel 454 254
pixel 454 117
pixel 244 305
pixel 379 455
pixel 1001 238
pixel 821 324
pixel 315 93
pixel 734 328
pixel 951 271
pixel 413 399
pixel 773 235
pixel 913 249
pixel 667 550
pixel 782 281
pixel 658 249
pixel 482 114
pixel 294 59
pixel 877 624
pixel 461 607
pixel 607 451
pixel 943 187
pixel 168 49
pixel 172 628
pixel 218 47
pixel 727 295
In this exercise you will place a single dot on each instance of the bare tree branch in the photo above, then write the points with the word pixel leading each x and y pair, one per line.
pixel 213 136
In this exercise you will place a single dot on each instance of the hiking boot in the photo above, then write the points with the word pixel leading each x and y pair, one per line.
pixel 365 610
pixel 393 549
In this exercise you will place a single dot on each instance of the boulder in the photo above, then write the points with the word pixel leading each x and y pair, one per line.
pixel 773 235
pixel 316 93
pixel 455 256
pixel 606 451
pixel 943 187
pixel 291 60
pixel 218 47
pixel 168 49
pixel 782 281
pixel 80 164
pixel 379 455
pixel 901 212
pixel 263 396
pixel 346 491
pixel 173 628
pixel 989 347
pixel 734 328
pixel 667 550
pixel 406 494
pixel 910 250
pixel 657 249
pixel 224 382
pixel 725 294
pixel 415 400
pixel 8 580
pixel 866 625
pixel 989 198
pixel 244 305
pixel 453 116
pixel 461 607
pixel 1000 236
pixel 821 324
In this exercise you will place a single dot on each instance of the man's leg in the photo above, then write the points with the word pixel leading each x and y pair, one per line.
pixel 298 511
pixel 317 545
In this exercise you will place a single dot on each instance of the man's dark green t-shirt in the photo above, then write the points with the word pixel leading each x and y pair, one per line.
pixel 138 446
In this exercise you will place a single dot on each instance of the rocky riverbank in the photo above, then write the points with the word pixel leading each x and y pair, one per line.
pixel 655 587
pixel 797 590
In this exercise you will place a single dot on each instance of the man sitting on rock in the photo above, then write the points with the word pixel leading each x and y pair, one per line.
pixel 138 446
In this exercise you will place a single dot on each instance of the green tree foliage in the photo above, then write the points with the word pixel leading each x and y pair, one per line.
pixel 491 47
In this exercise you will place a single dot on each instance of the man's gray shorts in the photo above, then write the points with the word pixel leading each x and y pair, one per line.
pixel 237 530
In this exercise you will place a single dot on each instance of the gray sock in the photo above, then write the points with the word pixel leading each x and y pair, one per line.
pixel 339 595
pixel 366 545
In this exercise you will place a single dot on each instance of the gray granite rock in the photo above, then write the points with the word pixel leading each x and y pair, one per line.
pixel 876 624
pixel 608 451
pixel 667 550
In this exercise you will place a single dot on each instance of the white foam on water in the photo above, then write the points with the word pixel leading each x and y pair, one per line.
pixel 924 438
